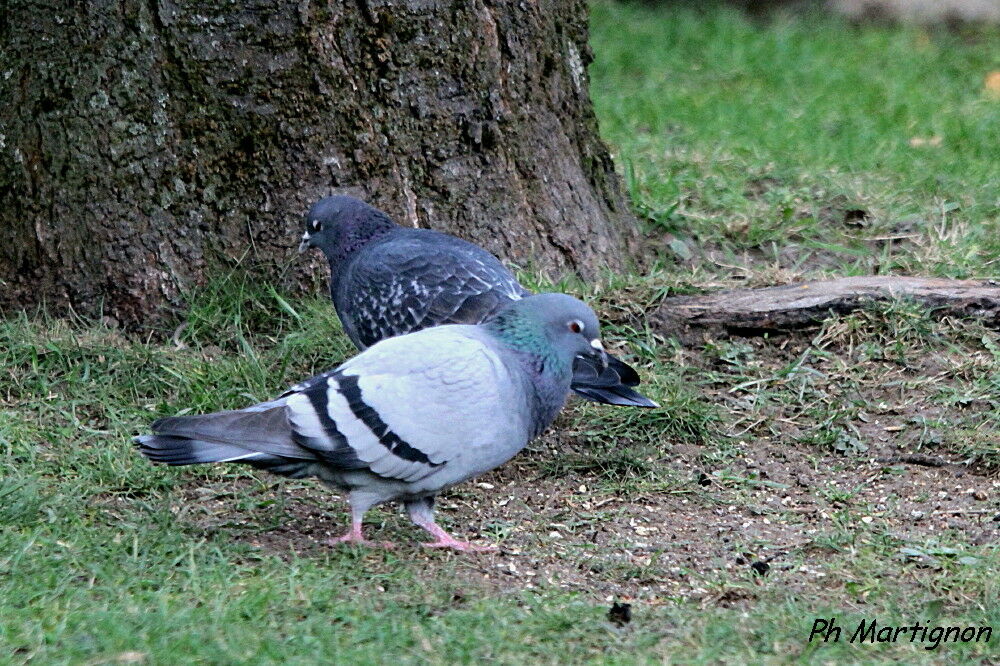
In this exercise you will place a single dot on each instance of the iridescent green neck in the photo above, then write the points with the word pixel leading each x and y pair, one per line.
pixel 547 372
pixel 523 333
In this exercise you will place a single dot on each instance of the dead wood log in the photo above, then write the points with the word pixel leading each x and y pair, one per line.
pixel 793 306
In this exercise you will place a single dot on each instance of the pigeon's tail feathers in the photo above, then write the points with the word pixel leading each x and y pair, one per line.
pixel 626 373
pixel 179 450
pixel 620 395
pixel 260 436
pixel 261 428
pixel 610 385
pixel 174 450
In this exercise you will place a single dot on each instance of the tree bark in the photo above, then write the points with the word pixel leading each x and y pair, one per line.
pixel 147 144
pixel 773 309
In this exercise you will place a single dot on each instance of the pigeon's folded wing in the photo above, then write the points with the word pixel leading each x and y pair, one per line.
pixel 412 283
pixel 406 406
pixel 403 409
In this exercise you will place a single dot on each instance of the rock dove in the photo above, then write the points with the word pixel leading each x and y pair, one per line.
pixel 389 280
pixel 408 417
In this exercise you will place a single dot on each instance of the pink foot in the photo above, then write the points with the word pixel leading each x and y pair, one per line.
pixel 448 541
pixel 421 513
pixel 355 536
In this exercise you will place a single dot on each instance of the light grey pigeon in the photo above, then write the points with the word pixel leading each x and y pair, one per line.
pixel 388 280
pixel 408 417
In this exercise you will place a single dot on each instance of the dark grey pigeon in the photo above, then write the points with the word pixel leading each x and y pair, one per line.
pixel 408 417
pixel 388 280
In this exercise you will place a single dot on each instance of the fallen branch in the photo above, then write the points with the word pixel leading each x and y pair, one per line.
pixel 798 305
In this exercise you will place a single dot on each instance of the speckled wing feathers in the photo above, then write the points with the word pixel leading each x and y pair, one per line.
pixel 404 286
pixel 416 278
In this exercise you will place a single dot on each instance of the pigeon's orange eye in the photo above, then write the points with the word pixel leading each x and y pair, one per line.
pixel 576 326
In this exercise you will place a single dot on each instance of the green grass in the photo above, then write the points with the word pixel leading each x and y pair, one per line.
pixel 106 559
pixel 743 136
pixel 744 141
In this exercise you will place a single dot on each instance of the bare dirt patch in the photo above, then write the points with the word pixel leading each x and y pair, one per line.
pixel 773 519
pixel 767 503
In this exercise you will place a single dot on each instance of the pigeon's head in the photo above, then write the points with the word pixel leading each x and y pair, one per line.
pixel 340 225
pixel 552 325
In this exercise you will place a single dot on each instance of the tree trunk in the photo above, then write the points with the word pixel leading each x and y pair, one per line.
pixel 147 144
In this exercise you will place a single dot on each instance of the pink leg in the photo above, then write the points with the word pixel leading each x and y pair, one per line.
pixel 422 514
pixel 354 534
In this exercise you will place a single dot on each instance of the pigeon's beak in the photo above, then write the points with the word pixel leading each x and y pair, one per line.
pixel 306 243
pixel 599 353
